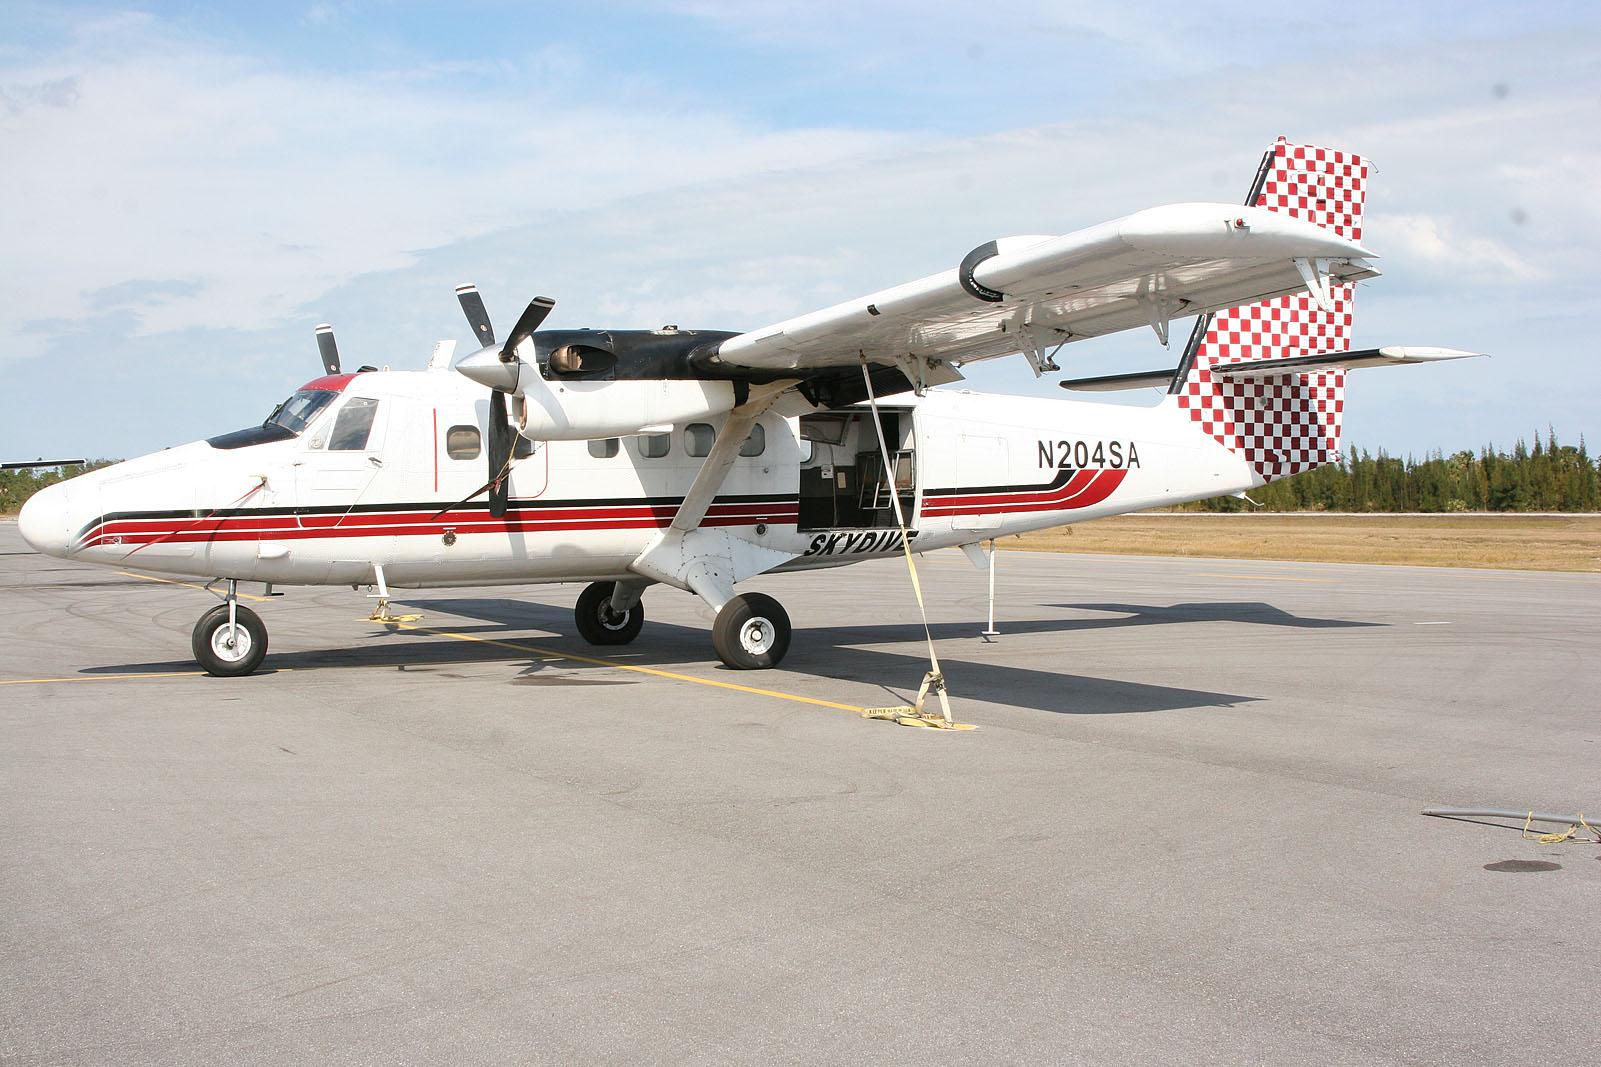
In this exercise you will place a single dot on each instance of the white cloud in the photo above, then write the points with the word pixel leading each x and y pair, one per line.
pixel 1439 242
pixel 150 154
pixel 177 195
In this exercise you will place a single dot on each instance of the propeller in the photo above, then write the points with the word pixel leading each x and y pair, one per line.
pixel 499 455
pixel 533 315
pixel 477 316
pixel 501 435
pixel 328 349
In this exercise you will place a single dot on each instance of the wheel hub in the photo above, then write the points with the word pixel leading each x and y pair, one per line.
pixel 231 644
pixel 756 636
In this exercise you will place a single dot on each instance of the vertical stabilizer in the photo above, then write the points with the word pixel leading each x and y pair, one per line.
pixel 1282 424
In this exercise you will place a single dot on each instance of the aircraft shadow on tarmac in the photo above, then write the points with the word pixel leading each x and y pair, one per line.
pixel 832 652
pixel 824 652
pixel 1244 611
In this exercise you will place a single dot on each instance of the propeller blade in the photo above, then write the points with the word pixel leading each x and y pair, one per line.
pixel 328 349
pixel 499 454
pixel 534 314
pixel 477 316
pixel 499 450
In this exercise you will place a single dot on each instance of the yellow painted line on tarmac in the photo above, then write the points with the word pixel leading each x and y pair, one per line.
pixel 656 672
pixel 546 654
pixel 101 678
pixel 1260 577
pixel 186 585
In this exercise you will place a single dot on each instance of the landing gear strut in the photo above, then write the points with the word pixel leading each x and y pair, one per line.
pixel 751 632
pixel 230 639
pixel 601 621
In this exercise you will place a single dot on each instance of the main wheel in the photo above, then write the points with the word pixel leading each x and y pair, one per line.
pixel 599 623
pixel 751 632
pixel 228 655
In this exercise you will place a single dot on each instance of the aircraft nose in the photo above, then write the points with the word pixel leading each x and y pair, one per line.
pixel 45 522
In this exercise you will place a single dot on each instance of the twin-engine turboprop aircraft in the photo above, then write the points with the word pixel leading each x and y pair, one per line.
pixel 700 459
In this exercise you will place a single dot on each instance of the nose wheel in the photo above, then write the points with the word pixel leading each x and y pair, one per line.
pixel 601 622
pixel 751 632
pixel 228 647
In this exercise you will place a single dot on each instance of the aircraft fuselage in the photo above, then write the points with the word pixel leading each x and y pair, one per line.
pixel 324 506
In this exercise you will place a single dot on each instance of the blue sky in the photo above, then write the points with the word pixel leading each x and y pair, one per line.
pixel 190 188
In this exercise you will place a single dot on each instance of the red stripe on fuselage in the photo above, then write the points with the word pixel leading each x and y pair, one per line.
pixel 1076 481
pixel 423 522
pixel 1085 488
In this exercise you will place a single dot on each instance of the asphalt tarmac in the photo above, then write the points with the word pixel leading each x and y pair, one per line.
pixel 1186 829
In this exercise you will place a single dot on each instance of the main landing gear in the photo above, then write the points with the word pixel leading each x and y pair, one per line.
pixel 751 632
pixel 230 639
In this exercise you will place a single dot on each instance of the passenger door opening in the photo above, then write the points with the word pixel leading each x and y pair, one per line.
pixel 843 483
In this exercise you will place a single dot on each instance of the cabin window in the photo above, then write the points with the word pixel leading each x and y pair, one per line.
pixel 698 439
pixel 756 443
pixel 353 426
pixel 463 442
pixel 655 445
pixel 603 448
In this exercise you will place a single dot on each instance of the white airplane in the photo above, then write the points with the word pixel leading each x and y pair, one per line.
pixel 701 459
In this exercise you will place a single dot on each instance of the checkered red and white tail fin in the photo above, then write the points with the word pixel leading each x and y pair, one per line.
pixel 1289 423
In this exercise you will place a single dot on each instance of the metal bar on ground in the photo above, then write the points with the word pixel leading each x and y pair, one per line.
pixel 1499 813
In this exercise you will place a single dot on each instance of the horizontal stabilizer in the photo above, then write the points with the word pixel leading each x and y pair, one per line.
pixel 1391 356
pixel 36 464
pixel 1109 383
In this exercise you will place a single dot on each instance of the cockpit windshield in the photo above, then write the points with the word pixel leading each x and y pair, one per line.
pixel 286 421
pixel 296 413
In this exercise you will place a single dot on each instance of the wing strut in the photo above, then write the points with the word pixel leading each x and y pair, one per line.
pixel 707 561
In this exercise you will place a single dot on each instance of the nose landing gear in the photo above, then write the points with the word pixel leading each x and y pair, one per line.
pixel 230 639
pixel 602 620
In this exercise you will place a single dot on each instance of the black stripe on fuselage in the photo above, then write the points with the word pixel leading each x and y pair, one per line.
pixel 427 507
pixel 1062 475
pixel 437 505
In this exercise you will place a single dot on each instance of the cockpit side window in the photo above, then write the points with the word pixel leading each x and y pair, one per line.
pixel 296 413
pixel 286 421
pixel 353 425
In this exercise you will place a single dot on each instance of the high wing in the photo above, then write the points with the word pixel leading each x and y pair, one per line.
pixel 1031 294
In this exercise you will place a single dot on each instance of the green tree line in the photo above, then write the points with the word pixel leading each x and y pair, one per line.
pixel 1547 476
pixel 17 486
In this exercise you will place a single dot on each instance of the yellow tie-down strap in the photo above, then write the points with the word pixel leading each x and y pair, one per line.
pixel 916 714
pixel 934 681
pixel 1566 835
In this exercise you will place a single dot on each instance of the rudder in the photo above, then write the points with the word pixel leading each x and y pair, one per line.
pixel 1283 424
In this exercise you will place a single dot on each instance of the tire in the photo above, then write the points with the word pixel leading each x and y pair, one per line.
pixel 598 624
pixel 210 642
pixel 751 632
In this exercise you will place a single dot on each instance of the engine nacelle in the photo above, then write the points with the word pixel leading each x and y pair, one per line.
pixel 585 410
pixel 567 406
